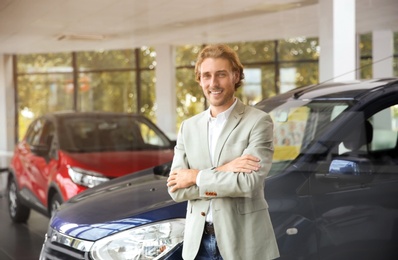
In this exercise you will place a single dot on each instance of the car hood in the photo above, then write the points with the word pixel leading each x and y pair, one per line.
pixel 120 204
pixel 117 163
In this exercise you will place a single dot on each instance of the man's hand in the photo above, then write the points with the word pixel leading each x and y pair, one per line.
pixel 182 178
pixel 246 163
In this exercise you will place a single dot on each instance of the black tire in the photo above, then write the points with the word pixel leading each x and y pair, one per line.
pixel 19 213
pixel 55 203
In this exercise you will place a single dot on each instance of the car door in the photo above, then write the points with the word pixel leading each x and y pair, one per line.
pixel 24 160
pixel 39 158
pixel 354 191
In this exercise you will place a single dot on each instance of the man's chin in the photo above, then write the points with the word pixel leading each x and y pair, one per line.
pixel 216 102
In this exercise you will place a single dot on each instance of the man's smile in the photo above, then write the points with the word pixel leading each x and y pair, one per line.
pixel 216 91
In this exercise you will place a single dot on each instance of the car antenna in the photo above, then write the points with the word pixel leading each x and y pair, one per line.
pixel 358 68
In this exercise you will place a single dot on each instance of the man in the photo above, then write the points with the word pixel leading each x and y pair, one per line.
pixel 221 159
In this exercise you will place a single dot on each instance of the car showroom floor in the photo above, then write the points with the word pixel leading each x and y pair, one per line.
pixel 20 241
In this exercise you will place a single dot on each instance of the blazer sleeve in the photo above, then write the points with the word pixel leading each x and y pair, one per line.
pixel 215 184
pixel 180 162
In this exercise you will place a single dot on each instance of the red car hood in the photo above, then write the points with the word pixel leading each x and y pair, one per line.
pixel 117 163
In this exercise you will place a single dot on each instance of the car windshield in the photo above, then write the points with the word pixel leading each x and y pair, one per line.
pixel 118 133
pixel 296 124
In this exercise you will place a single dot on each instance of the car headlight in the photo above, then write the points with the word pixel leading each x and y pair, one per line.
pixel 86 178
pixel 144 242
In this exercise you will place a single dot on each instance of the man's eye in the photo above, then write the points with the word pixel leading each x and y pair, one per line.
pixel 206 76
pixel 222 75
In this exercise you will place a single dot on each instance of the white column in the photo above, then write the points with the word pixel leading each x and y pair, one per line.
pixel 7 121
pixel 166 100
pixel 382 52
pixel 337 36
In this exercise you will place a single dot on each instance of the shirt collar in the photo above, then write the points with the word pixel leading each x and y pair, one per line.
pixel 223 115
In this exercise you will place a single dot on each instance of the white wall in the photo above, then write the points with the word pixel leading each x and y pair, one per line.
pixel 166 100
pixel 337 37
pixel 382 53
pixel 7 121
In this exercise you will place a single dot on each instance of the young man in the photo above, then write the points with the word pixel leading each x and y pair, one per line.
pixel 221 159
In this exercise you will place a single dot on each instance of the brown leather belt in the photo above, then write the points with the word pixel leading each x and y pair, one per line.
pixel 209 228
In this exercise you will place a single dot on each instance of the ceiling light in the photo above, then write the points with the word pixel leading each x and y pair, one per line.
pixel 81 37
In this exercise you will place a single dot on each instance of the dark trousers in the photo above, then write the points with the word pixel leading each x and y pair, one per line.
pixel 208 249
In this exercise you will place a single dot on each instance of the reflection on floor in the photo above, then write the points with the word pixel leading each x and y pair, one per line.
pixel 21 241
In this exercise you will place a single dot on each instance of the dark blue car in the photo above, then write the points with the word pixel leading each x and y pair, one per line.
pixel 332 190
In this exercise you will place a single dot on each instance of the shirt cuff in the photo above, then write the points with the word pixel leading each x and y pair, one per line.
pixel 198 178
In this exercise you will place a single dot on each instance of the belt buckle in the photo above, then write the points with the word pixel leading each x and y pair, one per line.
pixel 209 228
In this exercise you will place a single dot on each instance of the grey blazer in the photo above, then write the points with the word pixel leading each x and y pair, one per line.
pixel 240 212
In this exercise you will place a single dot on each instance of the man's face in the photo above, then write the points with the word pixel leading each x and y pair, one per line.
pixel 218 83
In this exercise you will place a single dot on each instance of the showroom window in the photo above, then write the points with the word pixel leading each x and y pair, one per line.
pixel 44 83
pixel 365 50
pixel 190 99
pixel 271 67
pixel 124 80
pixel 105 80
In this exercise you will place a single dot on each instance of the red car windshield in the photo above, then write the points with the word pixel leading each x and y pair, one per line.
pixel 95 134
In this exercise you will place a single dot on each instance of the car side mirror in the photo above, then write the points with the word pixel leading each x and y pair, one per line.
pixel 163 169
pixel 349 170
pixel 173 143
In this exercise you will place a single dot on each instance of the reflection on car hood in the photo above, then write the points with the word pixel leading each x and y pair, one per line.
pixel 118 163
pixel 117 205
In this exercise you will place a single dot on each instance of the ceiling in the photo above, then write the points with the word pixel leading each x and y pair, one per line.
pixel 34 26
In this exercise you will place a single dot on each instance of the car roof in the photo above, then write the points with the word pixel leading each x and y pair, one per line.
pixel 339 90
pixel 349 90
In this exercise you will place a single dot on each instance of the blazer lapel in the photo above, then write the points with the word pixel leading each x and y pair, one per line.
pixel 203 129
pixel 232 121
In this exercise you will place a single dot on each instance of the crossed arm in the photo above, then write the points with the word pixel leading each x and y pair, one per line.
pixel 184 178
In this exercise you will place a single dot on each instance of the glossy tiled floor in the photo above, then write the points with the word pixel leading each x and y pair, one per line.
pixel 20 241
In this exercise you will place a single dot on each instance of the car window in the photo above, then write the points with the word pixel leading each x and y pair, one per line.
pixel 289 128
pixel 47 137
pixel 381 134
pixel 297 124
pixel 34 132
pixel 47 133
pixel 363 152
pixel 149 135
pixel 385 129
pixel 109 134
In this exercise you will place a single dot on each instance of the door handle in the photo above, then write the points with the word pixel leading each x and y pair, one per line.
pixel 291 231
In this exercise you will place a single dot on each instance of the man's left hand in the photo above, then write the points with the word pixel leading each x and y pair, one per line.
pixel 182 178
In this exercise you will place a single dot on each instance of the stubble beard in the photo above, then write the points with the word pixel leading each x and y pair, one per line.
pixel 224 100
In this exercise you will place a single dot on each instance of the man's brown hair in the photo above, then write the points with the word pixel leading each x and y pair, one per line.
pixel 224 52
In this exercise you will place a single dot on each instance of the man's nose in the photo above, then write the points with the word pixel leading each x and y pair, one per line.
pixel 213 81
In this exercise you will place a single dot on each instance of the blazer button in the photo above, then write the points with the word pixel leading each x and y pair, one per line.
pixel 202 213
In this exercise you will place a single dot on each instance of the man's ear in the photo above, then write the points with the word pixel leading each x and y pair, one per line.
pixel 236 77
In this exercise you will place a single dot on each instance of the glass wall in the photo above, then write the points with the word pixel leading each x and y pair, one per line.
pixel 190 99
pixel 124 80
pixel 44 83
pixel 106 81
pixel 365 50
pixel 271 67
pixel 115 80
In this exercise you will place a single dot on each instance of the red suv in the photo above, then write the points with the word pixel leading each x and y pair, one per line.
pixel 63 154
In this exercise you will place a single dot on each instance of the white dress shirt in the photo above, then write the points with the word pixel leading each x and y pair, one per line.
pixel 214 127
